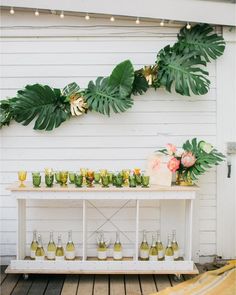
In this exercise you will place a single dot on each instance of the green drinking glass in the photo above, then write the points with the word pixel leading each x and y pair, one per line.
pixel 97 177
pixel 36 178
pixel 72 177
pixel 57 176
pixel 119 180
pixel 63 178
pixel 132 181
pixel 49 179
pixel 138 179
pixel 78 180
pixel 110 176
pixel 145 181
pixel 105 181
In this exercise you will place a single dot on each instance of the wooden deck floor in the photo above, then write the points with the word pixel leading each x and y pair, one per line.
pixel 84 284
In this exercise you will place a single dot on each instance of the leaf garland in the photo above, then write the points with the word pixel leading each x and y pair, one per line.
pixel 42 103
pixel 184 71
pixel 181 67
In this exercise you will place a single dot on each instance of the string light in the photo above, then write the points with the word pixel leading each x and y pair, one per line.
pixel 188 26
pixel 87 17
pixel 137 21
pixel 36 12
pixel 112 19
pixel 62 14
pixel 12 11
pixel 162 23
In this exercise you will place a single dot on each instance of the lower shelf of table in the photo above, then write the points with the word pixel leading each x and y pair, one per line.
pixel 102 267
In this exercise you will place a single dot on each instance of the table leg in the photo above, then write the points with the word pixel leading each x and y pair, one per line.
pixel 21 232
pixel 84 255
pixel 188 228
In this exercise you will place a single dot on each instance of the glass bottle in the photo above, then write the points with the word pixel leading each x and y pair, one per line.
pixel 153 252
pixel 144 248
pixel 159 246
pixel 59 255
pixel 169 253
pixel 175 245
pixel 39 253
pixel 34 245
pixel 70 247
pixel 102 248
pixel 51 249
pixel 117 251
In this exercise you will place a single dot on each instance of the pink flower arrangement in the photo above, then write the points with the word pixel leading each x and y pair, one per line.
pixel 173 164
pixel 193 158
pixel 171 149
pixel 188 159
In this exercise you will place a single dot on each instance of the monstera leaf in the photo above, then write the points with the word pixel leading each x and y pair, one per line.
pixel 6 111
pixel 101 97
pixel 201 40
pixel 70 90
pixel 140 84
pixel 122 77
pixel 45 104
pixel 184 71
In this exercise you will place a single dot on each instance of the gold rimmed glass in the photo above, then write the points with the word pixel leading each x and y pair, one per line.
pixel 63 178
pixel 83 172
pixel 22 177
pixel 125 175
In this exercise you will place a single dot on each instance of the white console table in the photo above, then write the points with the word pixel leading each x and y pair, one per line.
pixel 85 264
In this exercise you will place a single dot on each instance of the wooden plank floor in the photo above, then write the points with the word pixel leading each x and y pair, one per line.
pixel 84 284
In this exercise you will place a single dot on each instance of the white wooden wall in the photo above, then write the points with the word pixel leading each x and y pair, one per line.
pixel 57 56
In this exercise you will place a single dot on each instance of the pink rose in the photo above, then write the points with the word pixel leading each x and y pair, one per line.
pixel 188 159
pixel 171 149
pixel 173 164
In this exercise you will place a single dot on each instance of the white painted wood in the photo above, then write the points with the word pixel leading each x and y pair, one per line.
pixel 156 118
pixel 216 12
pixel 188 228
pixel 21 229
pixel 137 232
pixel 86 266
pixel 100 267
pixel 84 241
pixel 226 122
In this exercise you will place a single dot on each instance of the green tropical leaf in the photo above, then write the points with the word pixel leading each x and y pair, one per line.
pixel 6 111
pixel 184 71
pixel 140 84
pixel 42 103
pixel 202 40
pixel 101 97
pixel 122 77
pixel 70 89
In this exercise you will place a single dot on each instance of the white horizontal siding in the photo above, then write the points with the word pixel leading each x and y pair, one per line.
pixel 95 141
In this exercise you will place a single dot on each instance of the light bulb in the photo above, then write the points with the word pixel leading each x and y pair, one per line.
pixel 162 23
pixel 112 19
pixel 62 15
pixel 87 17
pixel 137 21
pixel 188 26
pixel 36 12
pixel 12 11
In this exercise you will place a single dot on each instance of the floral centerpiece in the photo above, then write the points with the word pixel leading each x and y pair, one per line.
pixel 192 160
